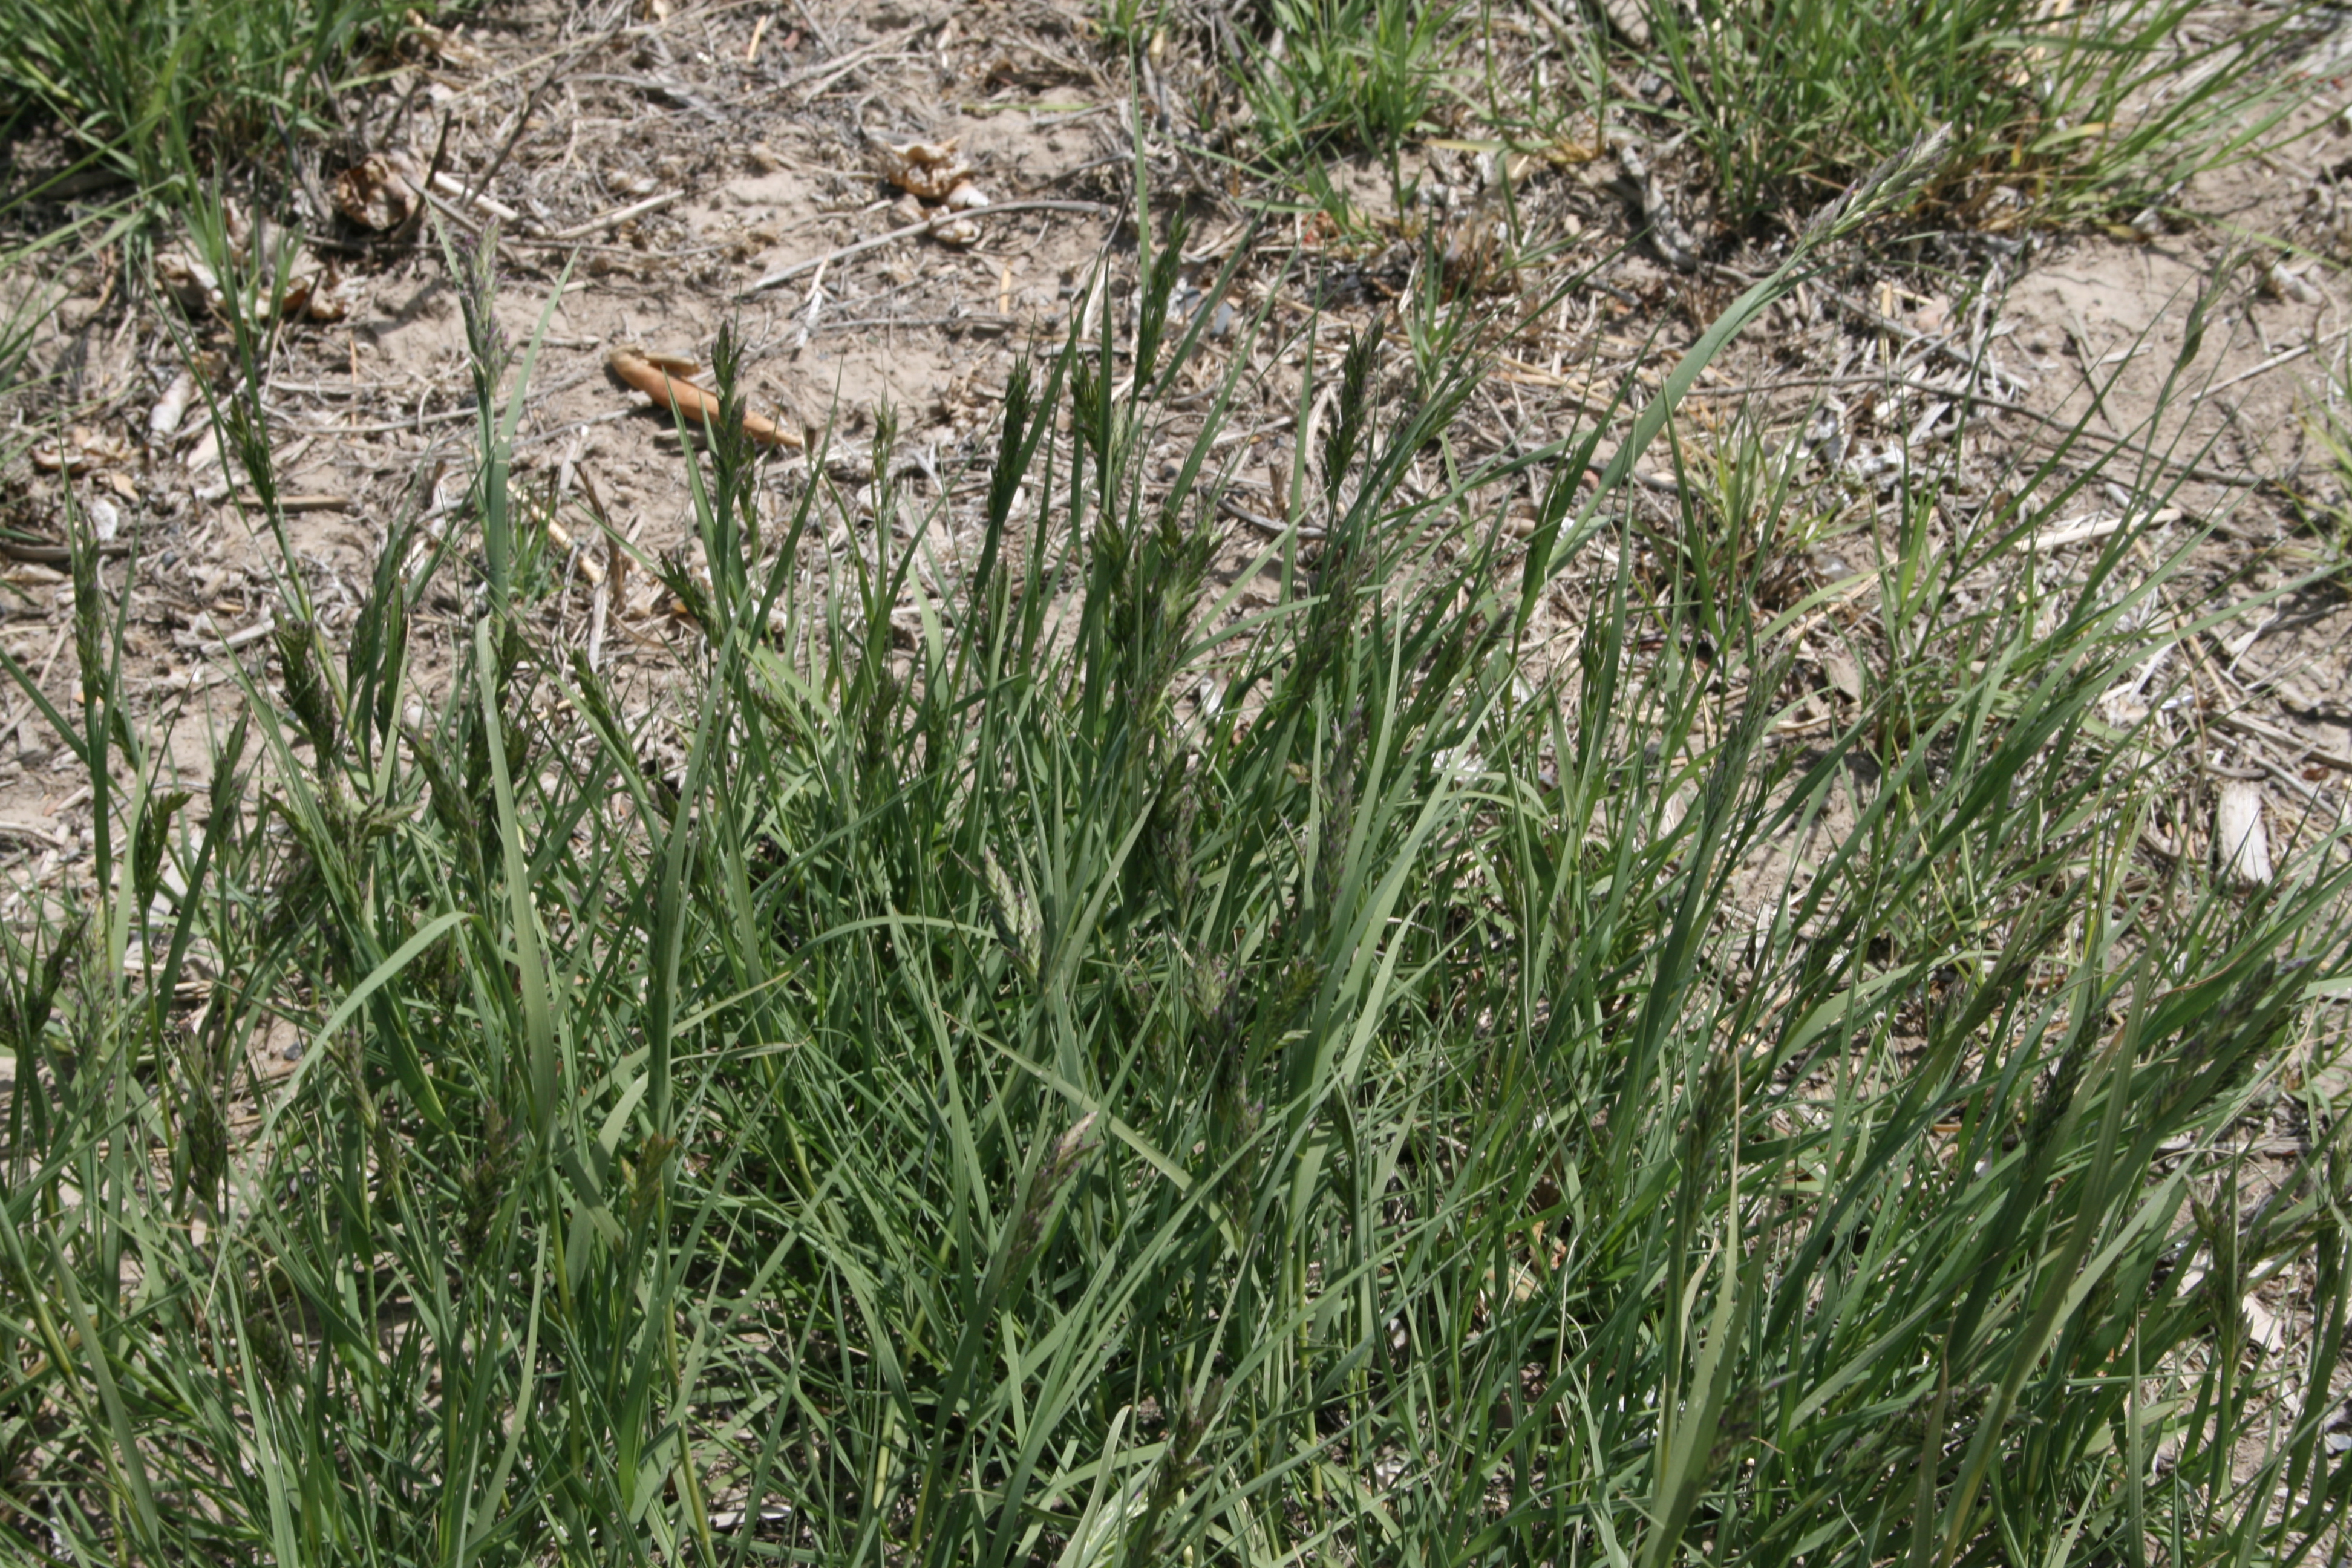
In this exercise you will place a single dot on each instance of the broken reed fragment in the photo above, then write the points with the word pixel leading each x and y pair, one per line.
pixel 2239 838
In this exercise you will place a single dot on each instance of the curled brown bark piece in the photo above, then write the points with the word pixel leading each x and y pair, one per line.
pixel 662 377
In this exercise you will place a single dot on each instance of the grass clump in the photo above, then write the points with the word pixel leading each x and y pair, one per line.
pixel 2059 114
pixel 2328 516
pixel 157 90
pixel 1067 1063
pixel 1350 74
